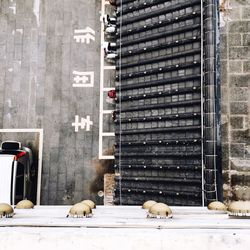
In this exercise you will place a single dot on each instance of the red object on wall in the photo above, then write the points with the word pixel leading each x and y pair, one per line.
pixel 112 94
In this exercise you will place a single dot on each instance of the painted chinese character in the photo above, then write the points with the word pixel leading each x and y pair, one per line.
pixel 83 79
pixel 82 124
pixel 84 35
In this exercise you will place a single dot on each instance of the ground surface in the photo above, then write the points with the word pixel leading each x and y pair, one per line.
pixel 41 52
pixel 124 228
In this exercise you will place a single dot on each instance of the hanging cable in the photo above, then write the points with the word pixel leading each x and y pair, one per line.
pixel 120 106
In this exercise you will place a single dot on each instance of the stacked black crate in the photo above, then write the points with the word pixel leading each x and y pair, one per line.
pixel 158 112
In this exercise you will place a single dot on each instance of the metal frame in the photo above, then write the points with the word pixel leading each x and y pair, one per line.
pixel 103 90
pixel 202 115
pixel 212 168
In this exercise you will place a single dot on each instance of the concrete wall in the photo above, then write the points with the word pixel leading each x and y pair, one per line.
pixel 37 57
pixel 235 80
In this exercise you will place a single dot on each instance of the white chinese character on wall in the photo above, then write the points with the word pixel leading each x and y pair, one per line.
pixel 83 79
pixel 84 35
pixel 82 124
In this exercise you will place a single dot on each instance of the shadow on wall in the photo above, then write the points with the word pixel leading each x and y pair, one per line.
pixel 102 167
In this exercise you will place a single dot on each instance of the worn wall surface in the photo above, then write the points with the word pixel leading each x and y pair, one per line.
pixel 235 80
pixel 38 54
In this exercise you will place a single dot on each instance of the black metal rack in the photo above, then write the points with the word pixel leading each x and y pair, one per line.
pixel 162 149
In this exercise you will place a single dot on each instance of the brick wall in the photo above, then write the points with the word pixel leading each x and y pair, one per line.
pixel 235 82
